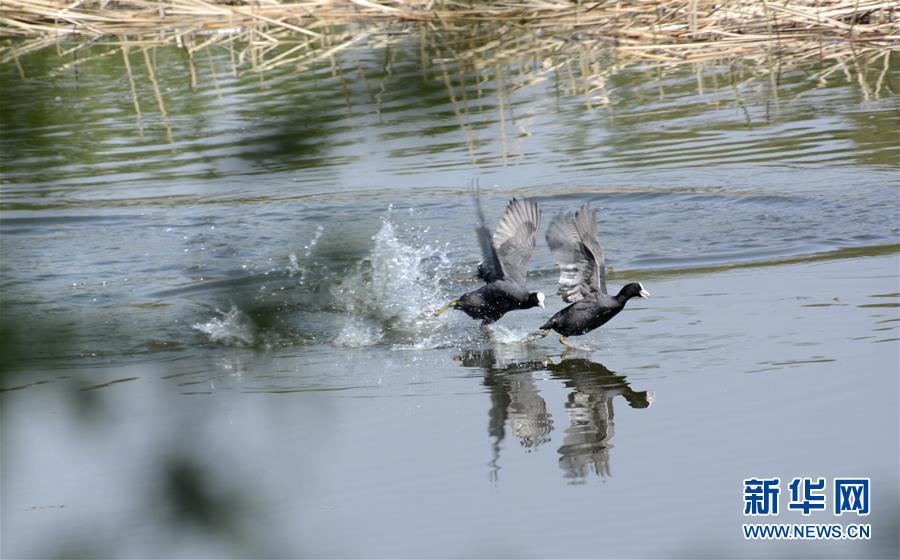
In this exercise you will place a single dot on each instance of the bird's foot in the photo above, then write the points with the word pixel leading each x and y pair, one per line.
pixel 452 303
pixel 537 335
pixel 572 348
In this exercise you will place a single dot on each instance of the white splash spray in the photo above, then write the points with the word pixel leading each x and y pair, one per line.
pixel 502 334
pixel 396 288
pixel 294 263
pixel 358 332
pixel 234 328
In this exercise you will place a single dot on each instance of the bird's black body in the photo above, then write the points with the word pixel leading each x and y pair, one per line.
pixel 495 299
pixel 582 276
pixel 591 312
pixel 504 266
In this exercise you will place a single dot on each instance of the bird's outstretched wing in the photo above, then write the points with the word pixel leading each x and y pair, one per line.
pixel 507 253
pixel 514 238
pixel 573 242
pixel 490 268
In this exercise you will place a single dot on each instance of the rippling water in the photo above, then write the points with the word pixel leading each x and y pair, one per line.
pixel 244 286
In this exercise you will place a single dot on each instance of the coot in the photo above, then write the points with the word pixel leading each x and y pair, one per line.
pixel 505 257
pixel 582 276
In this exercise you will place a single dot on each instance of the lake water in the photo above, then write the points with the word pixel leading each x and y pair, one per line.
pixel 217 329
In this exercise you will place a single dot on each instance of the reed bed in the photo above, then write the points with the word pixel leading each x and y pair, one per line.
pixel 856 38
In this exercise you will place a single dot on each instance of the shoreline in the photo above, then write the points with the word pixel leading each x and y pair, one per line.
pixel 845 36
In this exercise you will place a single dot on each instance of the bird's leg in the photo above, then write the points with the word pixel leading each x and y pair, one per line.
pixel 566 342
pixel 453 303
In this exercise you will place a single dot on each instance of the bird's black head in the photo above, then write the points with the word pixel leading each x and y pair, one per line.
pixel 635 289
pixel 535 299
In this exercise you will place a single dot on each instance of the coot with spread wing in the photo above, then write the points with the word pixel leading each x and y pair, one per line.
pixel 582 276
pixel 505 257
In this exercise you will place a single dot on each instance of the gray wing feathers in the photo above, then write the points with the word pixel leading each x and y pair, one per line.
pixel 513 240
pixel 573 242
pixel 490 268
pixel 586 223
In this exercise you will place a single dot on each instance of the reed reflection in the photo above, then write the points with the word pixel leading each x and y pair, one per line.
pixel 516 400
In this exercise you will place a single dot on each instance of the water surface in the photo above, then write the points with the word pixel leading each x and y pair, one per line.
pixel 217 329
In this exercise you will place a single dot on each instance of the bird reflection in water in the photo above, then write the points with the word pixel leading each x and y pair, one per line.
pixel 586 444
pixel 515 398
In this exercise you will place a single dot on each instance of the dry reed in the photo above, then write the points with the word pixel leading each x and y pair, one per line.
pixel 848 36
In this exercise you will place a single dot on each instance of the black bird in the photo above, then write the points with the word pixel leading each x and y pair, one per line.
pixel 504 264
pixel 582 276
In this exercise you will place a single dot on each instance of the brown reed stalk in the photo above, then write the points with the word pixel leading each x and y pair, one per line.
pixel 261 35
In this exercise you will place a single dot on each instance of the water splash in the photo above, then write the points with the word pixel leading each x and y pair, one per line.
pixel 234 328
pixel 388 297
pixel 502 334
pixel 427 342
pixel 397 288
pixel 294 265
pixel 357 332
